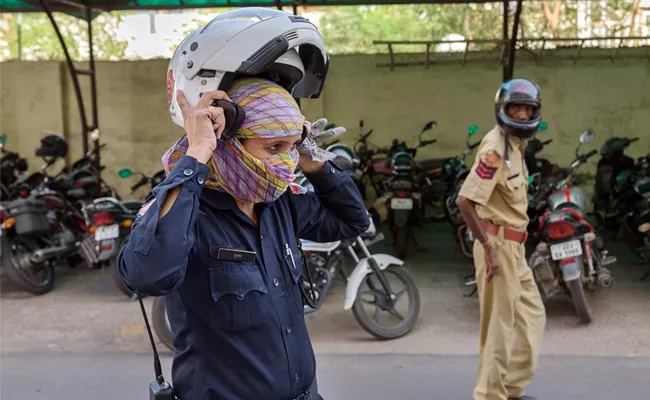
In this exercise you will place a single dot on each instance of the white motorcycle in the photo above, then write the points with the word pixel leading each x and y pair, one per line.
pixel 367 284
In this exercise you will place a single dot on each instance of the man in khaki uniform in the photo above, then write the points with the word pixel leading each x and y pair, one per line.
pixel 493 201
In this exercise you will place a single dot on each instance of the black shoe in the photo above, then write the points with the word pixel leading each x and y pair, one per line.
pixel 522 398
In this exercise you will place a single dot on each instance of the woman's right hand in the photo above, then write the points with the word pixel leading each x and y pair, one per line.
pixel 203 123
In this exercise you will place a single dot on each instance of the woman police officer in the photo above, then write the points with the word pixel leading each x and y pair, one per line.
pixel 217 238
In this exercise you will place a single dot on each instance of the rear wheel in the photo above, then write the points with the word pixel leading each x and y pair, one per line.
pixel 33 278
pixel 580 302
pixel 401 241
pixel 371 293
pixel 161 322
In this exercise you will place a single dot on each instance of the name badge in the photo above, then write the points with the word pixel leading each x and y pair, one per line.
pixel 232 254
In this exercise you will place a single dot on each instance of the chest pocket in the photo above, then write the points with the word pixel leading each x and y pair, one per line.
pixel 294 264
pixel 240 297
pixel 515 189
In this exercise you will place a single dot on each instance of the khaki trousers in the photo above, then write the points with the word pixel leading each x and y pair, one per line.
pixel 513 319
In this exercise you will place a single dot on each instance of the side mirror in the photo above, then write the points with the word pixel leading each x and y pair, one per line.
pixel 542 127
pixel 125 173
pixel 587 136
pixel 429 125
pixel 472 130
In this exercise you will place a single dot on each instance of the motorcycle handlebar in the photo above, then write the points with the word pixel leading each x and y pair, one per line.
pixel 547 142
pixel 590 154
pixel 142 182
pixel 632 140
pixel 428 142
pixel 366 135
pixel 473 146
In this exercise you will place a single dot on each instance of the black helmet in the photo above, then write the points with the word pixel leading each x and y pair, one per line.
pixel 53 145
pixel 518 91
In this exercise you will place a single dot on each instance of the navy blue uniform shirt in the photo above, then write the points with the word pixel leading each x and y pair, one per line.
pixel 238 327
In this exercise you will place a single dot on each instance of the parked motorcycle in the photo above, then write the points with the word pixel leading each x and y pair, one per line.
pixel 462 234
pixel 406 209
pixel 42 228
pixel 111 224
pixel 613 167
pixel 370 160
pixel 635 200
pixel 13 169
pixel 571 258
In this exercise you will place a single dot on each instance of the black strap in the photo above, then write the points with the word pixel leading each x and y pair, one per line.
pixel 308 294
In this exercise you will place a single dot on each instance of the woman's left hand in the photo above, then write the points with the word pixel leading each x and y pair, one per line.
pixel 305 162
pixel 312 157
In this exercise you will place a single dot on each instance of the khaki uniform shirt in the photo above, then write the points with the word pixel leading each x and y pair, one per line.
pixel 499 188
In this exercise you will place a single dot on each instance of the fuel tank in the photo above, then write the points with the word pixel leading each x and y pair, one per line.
pixel 572 197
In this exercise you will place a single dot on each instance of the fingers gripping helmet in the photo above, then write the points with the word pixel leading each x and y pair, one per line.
pixel 518 91
pixel 254 41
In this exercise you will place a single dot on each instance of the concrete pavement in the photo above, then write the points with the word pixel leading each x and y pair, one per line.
pixel 107 376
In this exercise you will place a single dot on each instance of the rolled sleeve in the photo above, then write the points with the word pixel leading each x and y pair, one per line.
pixel 154 259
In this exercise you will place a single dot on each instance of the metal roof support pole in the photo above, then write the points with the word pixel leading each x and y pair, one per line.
pixel 74 73
pixel 93 87
pixel 513 42
pixel 506 11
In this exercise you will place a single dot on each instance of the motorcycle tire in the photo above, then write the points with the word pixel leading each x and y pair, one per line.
pixel 404 326
pixel 401 241
pixel 16 273
pixel 121 286
pixel 580 302
pixel 160 322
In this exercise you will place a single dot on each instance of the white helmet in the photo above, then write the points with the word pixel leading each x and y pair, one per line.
pixel 253 41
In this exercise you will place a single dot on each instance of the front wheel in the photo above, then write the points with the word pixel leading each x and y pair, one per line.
pixel 580 302
pixel 160 322
pixel 33 278
pixel 371 293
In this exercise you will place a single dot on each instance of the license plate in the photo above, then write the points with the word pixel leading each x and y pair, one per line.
pixel 401 204
pixel 107 232
pixel 564 250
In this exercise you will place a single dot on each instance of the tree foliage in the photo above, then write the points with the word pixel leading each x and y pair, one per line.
pixel 39 41
pixel 353 29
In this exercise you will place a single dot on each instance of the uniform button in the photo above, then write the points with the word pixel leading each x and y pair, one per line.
pixel 188 172
pixel 276 282
pixel 288 330
pixel 295 377
pixel 332 170
pixel 261 237
pixel 200 180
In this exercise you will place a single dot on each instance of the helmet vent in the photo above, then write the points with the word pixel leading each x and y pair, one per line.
pixel 293 35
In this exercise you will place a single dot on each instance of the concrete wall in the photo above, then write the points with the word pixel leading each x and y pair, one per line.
pixel 612 98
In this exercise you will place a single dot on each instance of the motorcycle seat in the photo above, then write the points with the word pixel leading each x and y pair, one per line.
pixel 432 163
pixel 131 204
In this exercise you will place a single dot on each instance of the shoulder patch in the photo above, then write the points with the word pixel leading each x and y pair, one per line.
pixel 488 164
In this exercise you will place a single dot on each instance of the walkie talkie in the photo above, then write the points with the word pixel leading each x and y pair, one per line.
pixel 159 389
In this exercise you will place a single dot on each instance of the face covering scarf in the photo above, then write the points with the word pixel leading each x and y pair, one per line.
pixel 270 112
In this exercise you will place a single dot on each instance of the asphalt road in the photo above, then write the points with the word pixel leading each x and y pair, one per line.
pixel 108 376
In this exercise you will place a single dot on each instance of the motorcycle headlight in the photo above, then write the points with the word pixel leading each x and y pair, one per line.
pixel 644 228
